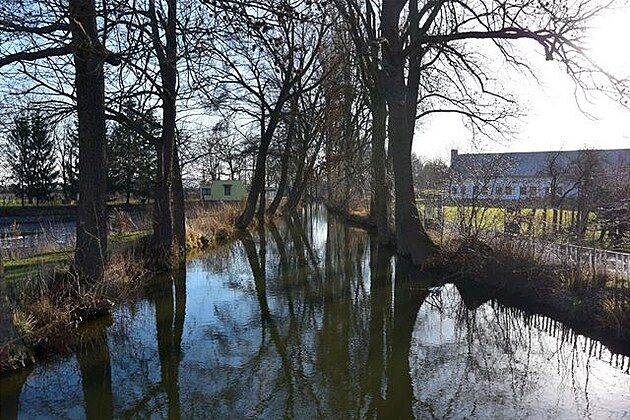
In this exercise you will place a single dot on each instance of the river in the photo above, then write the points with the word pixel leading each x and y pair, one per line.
pixel 309 318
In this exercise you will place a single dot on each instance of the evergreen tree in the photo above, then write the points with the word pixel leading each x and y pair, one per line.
pixel 44 159
pixel 31 157
pixel 131 158
pixel 19 157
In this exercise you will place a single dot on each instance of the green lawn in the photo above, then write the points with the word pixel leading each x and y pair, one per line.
pixel 21 268
pixel 29 266
pixel 495 217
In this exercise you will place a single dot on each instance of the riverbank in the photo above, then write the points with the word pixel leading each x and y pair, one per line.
pixel 49 305
pixel 593 305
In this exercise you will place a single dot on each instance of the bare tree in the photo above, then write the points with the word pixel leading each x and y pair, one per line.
pixel 263 54
pixel 425 51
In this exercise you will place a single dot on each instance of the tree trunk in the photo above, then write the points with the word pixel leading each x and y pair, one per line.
pixel 262 204
pixel 380 206
pixel 260 169
pixel 179 214
pixel 282 184
pixel 164 252
pixel 162 241
pixel 294 194
pixel 91 243
pixel 301 181
pixel 411 238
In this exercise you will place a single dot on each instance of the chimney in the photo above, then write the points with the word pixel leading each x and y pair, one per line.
pixel 453 156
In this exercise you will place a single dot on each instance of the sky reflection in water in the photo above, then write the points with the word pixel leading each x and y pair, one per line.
pixel 318 321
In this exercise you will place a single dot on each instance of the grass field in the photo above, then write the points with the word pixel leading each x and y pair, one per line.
pixel 531 221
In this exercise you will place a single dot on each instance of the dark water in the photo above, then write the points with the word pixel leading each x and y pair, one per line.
pixel 316 321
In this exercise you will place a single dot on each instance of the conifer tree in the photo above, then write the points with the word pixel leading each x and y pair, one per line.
pixel 44 160
pixel 131 158
pixel 31 157
pixel 19 157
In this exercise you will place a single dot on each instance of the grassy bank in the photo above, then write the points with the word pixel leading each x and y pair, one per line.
pixel 49 303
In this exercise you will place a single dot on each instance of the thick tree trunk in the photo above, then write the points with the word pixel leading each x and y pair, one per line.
pixel 411 238
pixel 91 243
pixel 162 241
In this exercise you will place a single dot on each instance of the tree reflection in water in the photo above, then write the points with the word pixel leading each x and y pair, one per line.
pixel 170 314
pixel 96 375
pixel 308 317
pixel 11 387
pixel 493 361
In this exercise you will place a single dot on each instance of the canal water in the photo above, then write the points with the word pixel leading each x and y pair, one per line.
pixel 310 318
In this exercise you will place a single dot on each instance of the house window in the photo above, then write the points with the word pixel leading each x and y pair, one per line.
pixel 499 191
pixel 463 190
pixel 532 191
pixel 523 191
pixel 206 191
pixel 475 190
pixel 508 191
pixel 227 189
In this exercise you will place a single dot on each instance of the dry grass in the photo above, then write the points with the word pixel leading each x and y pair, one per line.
pixel 206 226
pixel 50 306
pixel 46 241
pixel 572 292
pixel 614 312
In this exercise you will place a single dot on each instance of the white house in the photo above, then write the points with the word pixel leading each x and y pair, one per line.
pixel 531 175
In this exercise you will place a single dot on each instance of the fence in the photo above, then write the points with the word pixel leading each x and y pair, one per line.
pixel 594 260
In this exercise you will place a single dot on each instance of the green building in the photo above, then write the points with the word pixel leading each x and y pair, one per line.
pixel 224 190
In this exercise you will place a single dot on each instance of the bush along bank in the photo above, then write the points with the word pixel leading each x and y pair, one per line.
pixel 592 303
pixel 49 304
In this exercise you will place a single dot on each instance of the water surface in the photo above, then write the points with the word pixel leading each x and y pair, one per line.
pixel 309 318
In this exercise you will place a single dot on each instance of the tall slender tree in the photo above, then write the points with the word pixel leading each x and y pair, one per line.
pixel 131 158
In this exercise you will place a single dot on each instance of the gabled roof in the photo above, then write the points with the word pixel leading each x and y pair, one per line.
pixel 531 164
